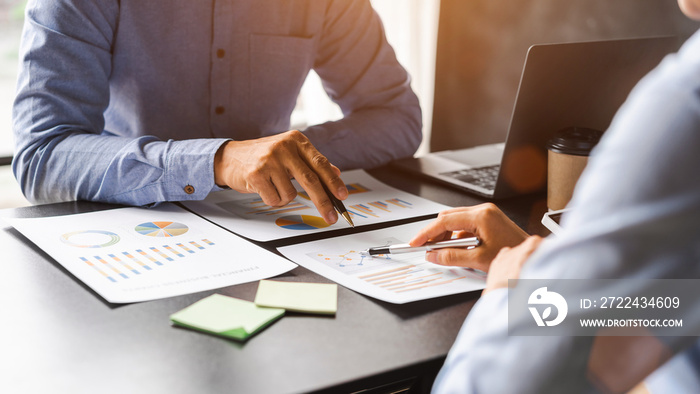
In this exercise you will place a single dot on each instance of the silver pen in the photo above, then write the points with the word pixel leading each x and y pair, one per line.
pixel 406 248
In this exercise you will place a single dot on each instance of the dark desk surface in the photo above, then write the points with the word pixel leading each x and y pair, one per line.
pixel 56 335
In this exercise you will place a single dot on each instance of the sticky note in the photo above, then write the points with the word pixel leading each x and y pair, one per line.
pixel 320 298
pixel 226 316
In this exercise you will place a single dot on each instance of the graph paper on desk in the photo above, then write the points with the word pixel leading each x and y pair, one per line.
pixel 137 254
pixel 369 202
pixel 392 278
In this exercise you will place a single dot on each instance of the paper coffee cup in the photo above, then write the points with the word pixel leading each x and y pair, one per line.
pixel 568 152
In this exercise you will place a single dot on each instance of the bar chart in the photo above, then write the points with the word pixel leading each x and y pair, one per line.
pixel 138 254
pixel 368 202
pixel 119 266
pixel 397 278
pixel 255 206
pixel 376 209
pixel 412 277
pixel 353 188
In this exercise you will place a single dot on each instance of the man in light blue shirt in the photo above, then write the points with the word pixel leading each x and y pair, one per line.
pixel 139 102
pixel 635 214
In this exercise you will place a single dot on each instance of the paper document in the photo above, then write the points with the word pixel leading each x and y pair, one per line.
pixel 369 202
pixel 398 279
pixel 138 254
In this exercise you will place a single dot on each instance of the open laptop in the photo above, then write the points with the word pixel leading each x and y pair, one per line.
pixel 562 85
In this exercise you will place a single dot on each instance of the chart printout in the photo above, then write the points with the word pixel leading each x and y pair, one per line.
pixel 398 278
pixel 138 254
pixel 369 202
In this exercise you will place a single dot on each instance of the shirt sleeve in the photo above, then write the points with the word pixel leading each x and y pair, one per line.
pixel 483 355
pixel 360 72
pixel 635 214
pixel 679 375
pixel 62 150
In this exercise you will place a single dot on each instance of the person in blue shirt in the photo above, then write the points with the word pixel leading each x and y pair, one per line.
pixel 635 213
pixel 139 102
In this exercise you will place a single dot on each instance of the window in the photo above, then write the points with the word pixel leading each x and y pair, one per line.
pixel 411 29
pixel 11 19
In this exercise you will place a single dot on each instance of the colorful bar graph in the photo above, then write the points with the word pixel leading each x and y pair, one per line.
pixel 399 203
pixel 106 275
pixel 432 284
pixel 185 248
pixel 380 205
pixel 420 280
pixel 353 214
pixel 353 188
pixel 173 251
pixel 256 206
pixel 108 265
pixel 391 275
pixel 393 280
pixel 127 266
pixel 131 261
pixel 262 208
pixel 148 256
pixel 369 277
pixel 364 209
pixel 196 245
pixel 137 261
pixel 376 208
pixel 163 255
pixel 409 278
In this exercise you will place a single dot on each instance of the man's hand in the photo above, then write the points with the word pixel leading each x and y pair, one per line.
pixel 267 165
pixel 485 221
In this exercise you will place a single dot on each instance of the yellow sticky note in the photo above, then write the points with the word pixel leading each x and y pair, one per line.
pixel 226 316
pixel 320 298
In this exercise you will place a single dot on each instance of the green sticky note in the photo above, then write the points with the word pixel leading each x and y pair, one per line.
pixel 226 316
pixel 321 298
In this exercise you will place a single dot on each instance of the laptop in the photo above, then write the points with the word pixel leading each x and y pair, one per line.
pixel 578 84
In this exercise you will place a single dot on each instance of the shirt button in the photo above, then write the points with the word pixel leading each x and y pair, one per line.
pixel 189 189
pixel 219 110
pixel 220 53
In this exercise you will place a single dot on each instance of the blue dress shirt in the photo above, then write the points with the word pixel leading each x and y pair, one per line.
pixel 127 101
pixel 635 214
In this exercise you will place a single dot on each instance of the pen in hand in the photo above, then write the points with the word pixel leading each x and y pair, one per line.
pixel 338 205
pixel 406 248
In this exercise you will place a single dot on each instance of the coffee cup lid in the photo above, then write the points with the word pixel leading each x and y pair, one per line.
pixel 578 141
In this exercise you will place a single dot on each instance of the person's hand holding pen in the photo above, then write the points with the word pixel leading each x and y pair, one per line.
pixel 486 222
pixel 267 165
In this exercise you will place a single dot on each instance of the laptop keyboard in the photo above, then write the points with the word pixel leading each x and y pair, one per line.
pixel 484 177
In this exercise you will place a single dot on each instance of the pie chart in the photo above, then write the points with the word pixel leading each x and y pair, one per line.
pixel 161 229
pixel 301 222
